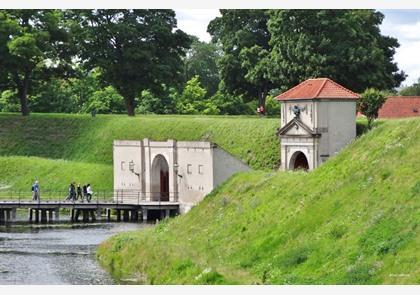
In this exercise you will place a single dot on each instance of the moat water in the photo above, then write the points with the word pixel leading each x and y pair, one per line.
pixel 62 253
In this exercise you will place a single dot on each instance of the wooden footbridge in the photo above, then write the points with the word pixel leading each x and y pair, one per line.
pixel 117 206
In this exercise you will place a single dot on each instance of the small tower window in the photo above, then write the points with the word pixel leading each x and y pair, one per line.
pixel 200 169
pixel 122 165
pixel 189 169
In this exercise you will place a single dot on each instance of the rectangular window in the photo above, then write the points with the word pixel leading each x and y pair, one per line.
pixel 200 169
pixel 122 165
pixel 189 169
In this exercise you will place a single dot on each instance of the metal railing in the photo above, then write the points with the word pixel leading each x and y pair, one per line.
pixel 116 196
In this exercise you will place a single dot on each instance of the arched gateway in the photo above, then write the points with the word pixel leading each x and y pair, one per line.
pixel 299 161
pixel 160 179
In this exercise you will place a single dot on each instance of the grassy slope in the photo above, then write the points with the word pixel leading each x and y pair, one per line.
pixel 355 220
pixel 79 147
pixel 86 139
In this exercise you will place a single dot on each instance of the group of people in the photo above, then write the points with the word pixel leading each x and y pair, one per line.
pixel 75 193
pixel 83 193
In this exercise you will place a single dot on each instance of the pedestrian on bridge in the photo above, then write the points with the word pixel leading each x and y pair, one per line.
pixel 72 193
pixel 84 192
pixel 35 191
pixel 89 192
pixel 79 192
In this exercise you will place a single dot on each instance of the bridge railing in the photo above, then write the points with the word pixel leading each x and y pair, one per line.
pixel 116 196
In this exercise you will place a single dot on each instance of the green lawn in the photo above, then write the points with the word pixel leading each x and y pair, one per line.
pixel 82 138
pixel 60 148
pixel 355 220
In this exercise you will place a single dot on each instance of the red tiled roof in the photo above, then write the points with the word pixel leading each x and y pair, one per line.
pixel 400 107
pixel 318 88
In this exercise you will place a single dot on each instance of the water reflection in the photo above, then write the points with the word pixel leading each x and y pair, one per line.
pixel 55 253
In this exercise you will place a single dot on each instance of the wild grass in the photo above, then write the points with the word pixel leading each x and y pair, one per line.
pixel 355 220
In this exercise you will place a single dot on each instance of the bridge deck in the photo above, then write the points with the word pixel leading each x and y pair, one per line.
pixel 6 204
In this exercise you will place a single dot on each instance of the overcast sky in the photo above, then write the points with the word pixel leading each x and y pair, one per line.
pixel 402 24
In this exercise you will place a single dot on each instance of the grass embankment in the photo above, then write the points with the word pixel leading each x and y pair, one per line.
pixel 60 148
pixel 355 220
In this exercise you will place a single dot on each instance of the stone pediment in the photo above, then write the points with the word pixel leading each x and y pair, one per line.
pixel 296 127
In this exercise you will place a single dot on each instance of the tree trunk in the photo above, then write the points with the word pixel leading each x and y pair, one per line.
pixel 129 104
pixel 262 95
pixel 23 88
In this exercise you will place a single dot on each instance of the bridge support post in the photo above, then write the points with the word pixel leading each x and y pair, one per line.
pixel 85 215
pixel 30 211
pixel 144 211
pixel 36 215
pixel 72 215
pixel 7 214
pixel 1 215
pixel 43 215
pixel 57 214
pixel 126 215
pixel 118 215
pixel 167 213
pixel 162 214
pixel 108 214
pixel 50 215
pixel 99 214
pixel 14 213
pixel 92 215
pixel 134 215
pixel 76 215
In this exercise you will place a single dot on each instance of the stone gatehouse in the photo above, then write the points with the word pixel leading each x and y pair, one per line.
pixel 170 171
pixel 318 118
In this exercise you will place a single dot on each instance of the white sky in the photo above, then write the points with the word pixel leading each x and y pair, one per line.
pixel 402 24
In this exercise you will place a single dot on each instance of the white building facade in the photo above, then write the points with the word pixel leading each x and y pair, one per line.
pixel 170 171
pixel 318 118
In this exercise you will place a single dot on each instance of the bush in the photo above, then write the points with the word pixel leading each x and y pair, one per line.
pixel 231 105
pixel 9 102
pixel 105 101
pixel 370 102
pixel 272 106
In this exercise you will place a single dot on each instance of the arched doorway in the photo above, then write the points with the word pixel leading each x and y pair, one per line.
pixel 160 179
pixel 299 162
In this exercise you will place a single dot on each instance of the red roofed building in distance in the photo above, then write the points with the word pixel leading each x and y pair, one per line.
pixel 400 107
pixel 318 118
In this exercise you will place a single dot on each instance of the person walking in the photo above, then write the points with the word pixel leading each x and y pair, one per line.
pixel 89 192
pixel 79 192
pixel 72 192
pixel 35 191
pixel 84 192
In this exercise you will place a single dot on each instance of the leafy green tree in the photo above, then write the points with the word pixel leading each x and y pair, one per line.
pixel 244 38
pixel 370 102
pixel 201 60
pixel 345 45
pixel 33 45
pixel 229 104
pixel 9 102
pixel 105 101
pixel 135 49
pixel 192 100
pixel 413 90
pixel 272 106
pixel 150 103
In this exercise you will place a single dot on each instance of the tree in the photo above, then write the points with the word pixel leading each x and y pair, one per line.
pixel 104 101
pixel 201 60
pixel 33 44
pixel 244 37
pixel 370 102
pixel 413 90
pixel 344 45
pixel 135 49
pixel 192 100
